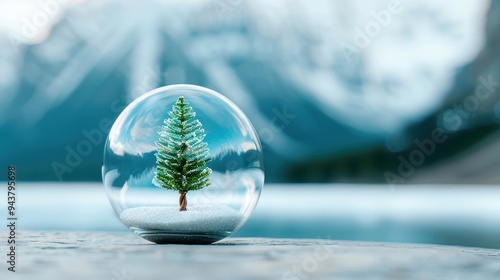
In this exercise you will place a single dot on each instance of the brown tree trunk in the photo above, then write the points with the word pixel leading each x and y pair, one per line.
pixel 182 201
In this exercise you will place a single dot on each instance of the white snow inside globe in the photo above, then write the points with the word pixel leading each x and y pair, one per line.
pixel 183 164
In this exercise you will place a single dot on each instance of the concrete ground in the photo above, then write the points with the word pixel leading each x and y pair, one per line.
pixel 124 256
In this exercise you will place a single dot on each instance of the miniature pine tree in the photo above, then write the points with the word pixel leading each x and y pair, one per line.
pixel 181 153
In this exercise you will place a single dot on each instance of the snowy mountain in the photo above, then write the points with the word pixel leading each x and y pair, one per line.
pixel 316 79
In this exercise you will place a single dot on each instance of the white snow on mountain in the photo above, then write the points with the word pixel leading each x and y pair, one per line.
pixel 406 53
pixel 367 66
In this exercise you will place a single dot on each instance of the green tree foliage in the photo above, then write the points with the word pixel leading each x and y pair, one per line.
pixel 181 153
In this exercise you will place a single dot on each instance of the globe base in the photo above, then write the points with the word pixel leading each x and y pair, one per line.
pixel 167 237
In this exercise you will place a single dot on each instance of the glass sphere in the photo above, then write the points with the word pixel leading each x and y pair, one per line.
pixel 183 164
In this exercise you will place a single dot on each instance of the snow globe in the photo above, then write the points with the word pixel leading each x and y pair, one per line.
pixel 183 164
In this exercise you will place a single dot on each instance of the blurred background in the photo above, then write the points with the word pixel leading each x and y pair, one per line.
pixel 379 93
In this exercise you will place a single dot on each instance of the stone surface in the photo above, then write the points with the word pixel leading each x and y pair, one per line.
pixel 124 256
